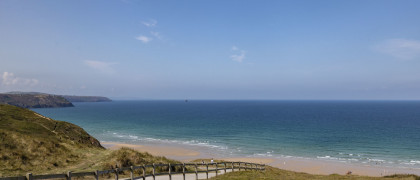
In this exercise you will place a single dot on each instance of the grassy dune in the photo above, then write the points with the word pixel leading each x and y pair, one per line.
pixel 272 173
pixel 30 142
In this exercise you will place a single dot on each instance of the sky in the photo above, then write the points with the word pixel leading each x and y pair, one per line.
pixel 234 49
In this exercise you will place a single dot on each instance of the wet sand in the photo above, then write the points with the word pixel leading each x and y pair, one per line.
pixel 311 166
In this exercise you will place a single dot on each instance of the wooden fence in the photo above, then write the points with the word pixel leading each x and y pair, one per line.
pixel 198 168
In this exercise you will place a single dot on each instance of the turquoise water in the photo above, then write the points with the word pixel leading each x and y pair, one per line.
pixel 366 132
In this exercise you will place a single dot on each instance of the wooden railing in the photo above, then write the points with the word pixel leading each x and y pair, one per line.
pixel 198 168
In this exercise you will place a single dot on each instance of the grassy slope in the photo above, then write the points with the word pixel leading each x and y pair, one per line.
pixel 275 173
pixel 30 142
pixel 272 173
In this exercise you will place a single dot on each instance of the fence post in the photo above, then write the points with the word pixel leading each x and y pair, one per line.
pixel 196 171
pixel 69 175
pixel 153 173
pixel 183 170
pixel 97 175
pixel 169 171
pixel 116 173
pixel 233 167
pixel 239 166
pixel 144 172
pixel 224 164
pixel 29 176
pixel 131 173
pixel 216 168
pixel 207 170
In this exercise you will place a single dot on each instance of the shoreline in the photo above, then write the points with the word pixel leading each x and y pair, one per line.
pixel 311 166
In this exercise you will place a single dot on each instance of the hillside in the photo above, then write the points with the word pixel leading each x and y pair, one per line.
pixel 86 98
pixel 30 142
pixel 34 100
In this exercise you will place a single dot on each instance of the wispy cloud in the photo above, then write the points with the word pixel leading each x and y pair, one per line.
pixel 9 79
pixel 400 48
pixel 150 23
pixel 156 34
pixel 239 55
pixel 144 39
pixel 105 67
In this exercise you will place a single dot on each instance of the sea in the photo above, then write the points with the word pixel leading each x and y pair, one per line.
pixel 377 133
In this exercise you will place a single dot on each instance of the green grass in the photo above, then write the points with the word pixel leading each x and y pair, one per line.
pixel 272 173
pixel 32 143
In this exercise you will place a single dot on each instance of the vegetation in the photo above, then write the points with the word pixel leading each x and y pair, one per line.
pixel 86 98
pixel 43 100
pixel 275 173
pixel 30 142
pixel 34 100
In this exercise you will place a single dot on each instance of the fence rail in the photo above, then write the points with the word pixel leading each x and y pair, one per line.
pixel 198 168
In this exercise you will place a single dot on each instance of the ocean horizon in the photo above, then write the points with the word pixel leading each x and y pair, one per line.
pixel 377 133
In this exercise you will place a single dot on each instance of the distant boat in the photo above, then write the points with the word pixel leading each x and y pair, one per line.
pixel 186 100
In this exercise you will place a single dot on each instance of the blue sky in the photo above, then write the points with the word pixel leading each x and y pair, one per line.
pixel 129 49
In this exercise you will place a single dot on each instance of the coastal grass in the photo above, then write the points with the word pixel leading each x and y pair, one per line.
pixel 272 173
pixel 30 142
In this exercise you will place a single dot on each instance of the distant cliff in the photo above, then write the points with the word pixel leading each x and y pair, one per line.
pixel 34 100
pixel 87 98
pixel 43 100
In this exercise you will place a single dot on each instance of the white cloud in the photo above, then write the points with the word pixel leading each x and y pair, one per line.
pixel 400 48
pixel 101 66
pixel 156 34
pixel 9 79
pixel 150 23
pixel 239 55
pixel 143 39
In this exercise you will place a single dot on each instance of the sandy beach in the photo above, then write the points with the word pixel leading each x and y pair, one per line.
pixel 311 166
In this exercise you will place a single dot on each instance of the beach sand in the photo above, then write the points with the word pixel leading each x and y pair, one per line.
pixel 311 166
